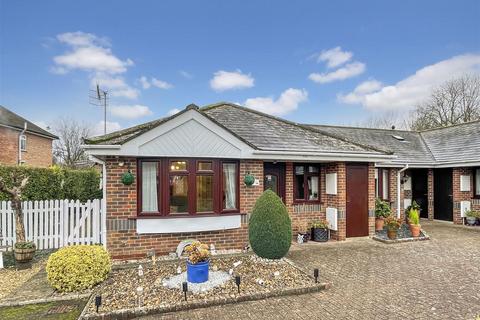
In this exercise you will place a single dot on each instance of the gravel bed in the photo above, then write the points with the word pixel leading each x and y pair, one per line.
pixel 11 278
pixel 257 276
pixel 403 233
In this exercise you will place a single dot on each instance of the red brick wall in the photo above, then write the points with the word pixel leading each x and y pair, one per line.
pixel 463 195
pixel 430 194
pixel 124 243
pixel 371 199
pixel 38 153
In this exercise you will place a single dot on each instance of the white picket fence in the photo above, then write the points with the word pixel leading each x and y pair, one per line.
pixel 54 223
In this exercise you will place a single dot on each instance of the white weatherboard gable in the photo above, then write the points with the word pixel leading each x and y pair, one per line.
pixel 464 183
pixel 189 134
pixel 331 183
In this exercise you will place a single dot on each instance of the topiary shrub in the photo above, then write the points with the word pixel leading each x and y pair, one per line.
pixel 77 268
pixel 270 228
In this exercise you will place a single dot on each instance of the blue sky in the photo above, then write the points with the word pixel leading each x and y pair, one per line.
pixel 337 62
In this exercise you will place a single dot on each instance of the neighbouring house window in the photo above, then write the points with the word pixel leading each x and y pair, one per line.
pixel 23 142
pixel 382 183
pixel 477 182
pixel 230 183
pixel 307 182
pixel 149 187
pixel 188 186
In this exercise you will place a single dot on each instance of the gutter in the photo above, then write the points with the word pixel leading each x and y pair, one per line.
pixel 398 188
pixel 359 154
pixel 104 200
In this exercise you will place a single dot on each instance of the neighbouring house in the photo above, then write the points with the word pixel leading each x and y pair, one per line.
pixel 189 176
pixel 23 142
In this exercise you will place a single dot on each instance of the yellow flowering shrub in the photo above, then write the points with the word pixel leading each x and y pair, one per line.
pixel 77 268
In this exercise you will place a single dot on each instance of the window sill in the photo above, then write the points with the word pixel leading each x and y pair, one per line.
pixel 187 216
pixel 307 202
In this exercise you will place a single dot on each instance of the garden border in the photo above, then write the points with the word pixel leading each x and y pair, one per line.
pixel 412 239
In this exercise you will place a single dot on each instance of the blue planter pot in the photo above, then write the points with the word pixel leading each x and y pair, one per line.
pixel 197 273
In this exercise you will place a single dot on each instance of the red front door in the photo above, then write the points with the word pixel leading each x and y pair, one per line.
pixel 357 200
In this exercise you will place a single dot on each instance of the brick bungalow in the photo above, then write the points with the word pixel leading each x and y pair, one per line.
pixel 23 142
pixel 189 170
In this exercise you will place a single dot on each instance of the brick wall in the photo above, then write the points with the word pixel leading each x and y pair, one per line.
pixel 124 243
pixel 38 153
pixel 371 199
pixel 430 194
pixel 459 196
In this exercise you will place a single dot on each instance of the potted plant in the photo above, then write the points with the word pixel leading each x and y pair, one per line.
pixel 471 217
pixel 414 221
pixel 14 190
pixel 303 233
pixel 198 262
pixel 413 206
pixel 24 251
pixel 392 224
pixel 320 231
pixel 382 210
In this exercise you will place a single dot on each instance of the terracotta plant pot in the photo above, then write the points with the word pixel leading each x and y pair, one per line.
pixel 379 223
pixel 24 255
pixel 392 234
pixel 415 230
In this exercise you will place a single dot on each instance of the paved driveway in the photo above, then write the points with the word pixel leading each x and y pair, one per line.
pixel 436 279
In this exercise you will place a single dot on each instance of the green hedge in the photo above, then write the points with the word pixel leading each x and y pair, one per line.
pixel 55 183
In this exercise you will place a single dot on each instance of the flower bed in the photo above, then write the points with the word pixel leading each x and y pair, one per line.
pixel 259 279
pixel 403 235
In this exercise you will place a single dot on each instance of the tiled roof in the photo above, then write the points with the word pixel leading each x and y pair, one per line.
pixel 11 119
pixel 411 149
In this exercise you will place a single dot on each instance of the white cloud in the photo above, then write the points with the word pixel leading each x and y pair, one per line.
pixel 286 103
pixel 408 92
pixel 115 85
pixel 225 80
pixel 185 74
pixel 334 57
pixel 173 111
pixel 348 71
pixel 111 127
pixel 146 84
pixel 130 112
pixel 89 53
pixel 357 95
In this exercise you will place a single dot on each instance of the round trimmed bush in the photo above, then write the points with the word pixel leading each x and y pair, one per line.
pixel 77 268
pixel 270 228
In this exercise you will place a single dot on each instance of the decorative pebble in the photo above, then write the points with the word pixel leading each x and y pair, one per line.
pixel 214 267
pixel 276 273
pixel 230 272
pixel 236 264
pixel 140 271
pixel 179 270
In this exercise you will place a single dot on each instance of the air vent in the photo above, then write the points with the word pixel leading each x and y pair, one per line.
pixel 399 138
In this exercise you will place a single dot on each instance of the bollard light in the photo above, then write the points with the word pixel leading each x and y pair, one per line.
pixel 237 282
pixel 185 289
pixel 98 302
pixel 315 274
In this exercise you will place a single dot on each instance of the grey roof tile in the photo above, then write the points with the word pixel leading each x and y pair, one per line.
pixel 11 119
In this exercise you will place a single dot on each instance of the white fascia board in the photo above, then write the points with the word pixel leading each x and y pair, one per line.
pixel 320 156
pixel 456 164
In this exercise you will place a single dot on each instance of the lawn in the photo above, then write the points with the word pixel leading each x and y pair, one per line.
pixel 64 310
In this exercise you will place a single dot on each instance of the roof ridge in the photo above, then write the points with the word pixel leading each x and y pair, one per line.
pixel 296 124
pixel 363 128
pixel 450 126
pixel 38 130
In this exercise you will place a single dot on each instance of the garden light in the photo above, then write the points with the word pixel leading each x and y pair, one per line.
pixel 185 289
pixel 98 302
pixel 315 274
pixel 237 282
pixel 140 271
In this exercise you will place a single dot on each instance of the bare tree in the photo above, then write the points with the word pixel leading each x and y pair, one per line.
pixel 456 101
pixel 384 120
pixel 19 181
pixel 67 150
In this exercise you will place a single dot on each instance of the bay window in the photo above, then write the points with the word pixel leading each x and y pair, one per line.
pixel 187 187
pixel 307 183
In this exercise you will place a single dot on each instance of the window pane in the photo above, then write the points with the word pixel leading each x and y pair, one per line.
pixel 477 182
pixel 377 193
pixel 312 188
pixel 300 192
pixel 149 187
pixel 271 182
pixel 178 165
pixel 312 169
pixel 204 193
pixel 229 186
pixel 204 166
pixel 385 183
pixel 178 194
pixel 299 170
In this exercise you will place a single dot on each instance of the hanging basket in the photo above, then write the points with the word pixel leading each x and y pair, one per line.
pixel 127 178
pixel 249 180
